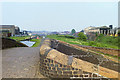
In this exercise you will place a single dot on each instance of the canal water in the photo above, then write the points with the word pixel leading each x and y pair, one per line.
pixel 28 43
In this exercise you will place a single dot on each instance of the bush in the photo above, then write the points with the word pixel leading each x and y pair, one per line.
pixel 99 45
pixel 92 43
pixel 68 36
pixel 81 36
pixel 108 39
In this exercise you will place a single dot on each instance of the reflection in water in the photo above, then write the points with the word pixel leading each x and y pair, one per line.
pixel 28 43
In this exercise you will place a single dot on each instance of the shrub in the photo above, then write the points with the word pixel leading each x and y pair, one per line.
pixel 68 36
pixel 81 36
pixel 99 45
pixel 91 43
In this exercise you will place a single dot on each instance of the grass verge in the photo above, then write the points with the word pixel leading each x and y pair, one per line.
pixel 80 42
pixel 19 38
pixel 37 42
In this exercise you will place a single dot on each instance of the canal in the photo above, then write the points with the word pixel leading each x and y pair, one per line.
pixel 28 43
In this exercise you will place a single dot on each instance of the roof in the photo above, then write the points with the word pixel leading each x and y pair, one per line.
pixel 93 28
pixel 104 27
pixel 7 26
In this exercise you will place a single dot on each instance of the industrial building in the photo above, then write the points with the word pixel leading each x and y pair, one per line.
pixel 8 30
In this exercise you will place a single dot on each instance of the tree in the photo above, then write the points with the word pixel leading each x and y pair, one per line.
pixel 73 31
pixel 81 36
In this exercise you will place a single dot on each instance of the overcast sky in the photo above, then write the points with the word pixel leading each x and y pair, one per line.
pixel 59 16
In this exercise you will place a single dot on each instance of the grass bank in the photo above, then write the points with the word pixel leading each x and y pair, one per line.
pixel 9 43
pixel 96 43
pixel 73 40
pixel 111 40
pixel 37 42
pixel 19 38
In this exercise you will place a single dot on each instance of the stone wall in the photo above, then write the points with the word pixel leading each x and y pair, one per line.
pixel 55 64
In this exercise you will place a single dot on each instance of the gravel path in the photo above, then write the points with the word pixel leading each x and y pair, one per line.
pixel 22 62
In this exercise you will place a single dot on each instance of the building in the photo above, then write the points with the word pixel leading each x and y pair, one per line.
pixel 100 30
pixel 91 32
pixel 82 31
pixel 17 30
pixel 7 30
pixel 25 33
pixel 89 29
pixel 117 31
pixel 105 30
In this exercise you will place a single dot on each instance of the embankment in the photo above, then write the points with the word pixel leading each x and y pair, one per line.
pixel 109 51
pixel 9 43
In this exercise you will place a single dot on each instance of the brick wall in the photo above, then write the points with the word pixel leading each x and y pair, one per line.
pixel 55 64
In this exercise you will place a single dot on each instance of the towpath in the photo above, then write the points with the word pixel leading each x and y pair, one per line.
pixel 21 62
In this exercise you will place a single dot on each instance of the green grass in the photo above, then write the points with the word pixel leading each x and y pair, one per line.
pixel 110 40
pixel 37 42
pixel 88 43
pixel 19 38
pixel 76 41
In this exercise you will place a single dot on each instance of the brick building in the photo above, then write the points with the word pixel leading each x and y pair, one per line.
pixel 8 30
